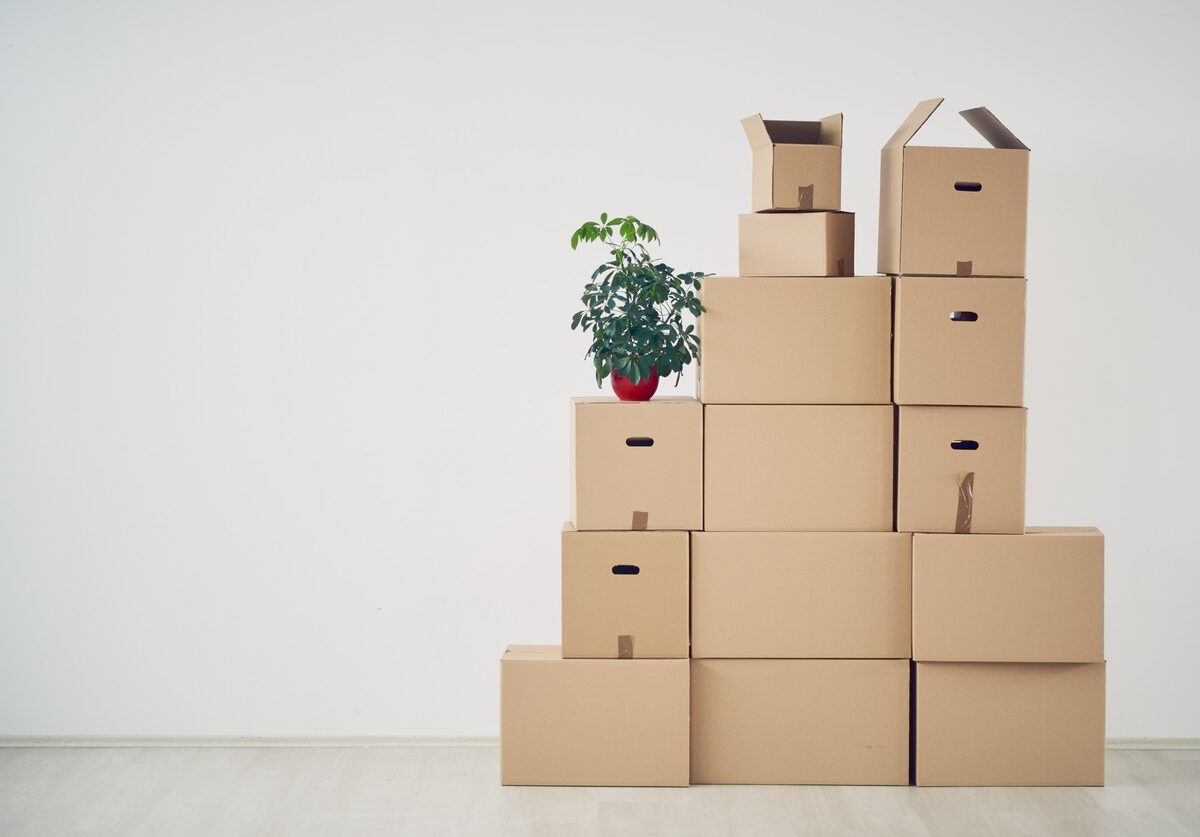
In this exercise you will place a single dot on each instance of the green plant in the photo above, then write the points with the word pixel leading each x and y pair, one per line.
pixel 635 304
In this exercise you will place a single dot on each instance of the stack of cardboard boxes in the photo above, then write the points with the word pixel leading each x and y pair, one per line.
pixel 766 529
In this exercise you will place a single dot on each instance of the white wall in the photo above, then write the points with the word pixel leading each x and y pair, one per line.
pixel 284 294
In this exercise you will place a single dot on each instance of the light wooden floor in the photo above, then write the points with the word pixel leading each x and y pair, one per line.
pixel 455 791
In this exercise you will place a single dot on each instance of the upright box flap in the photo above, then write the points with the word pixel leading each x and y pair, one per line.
pixel 756 131
pixel 909 127
pixel 831 130
pixel 991 129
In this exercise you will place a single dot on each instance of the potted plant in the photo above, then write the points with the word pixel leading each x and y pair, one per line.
pixel 634 307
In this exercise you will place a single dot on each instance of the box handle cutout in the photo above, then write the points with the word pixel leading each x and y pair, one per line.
pixel 967 186
pixel 639 442
pixel 964 316
pixel 626 569
pixel 964 444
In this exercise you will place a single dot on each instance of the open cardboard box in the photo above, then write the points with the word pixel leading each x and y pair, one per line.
pixel 797 165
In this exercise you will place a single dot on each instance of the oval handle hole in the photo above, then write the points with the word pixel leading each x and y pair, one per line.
pixel 964 444
pixel 964 316
pixel 640 442
pixel 967 186
pixel 626 569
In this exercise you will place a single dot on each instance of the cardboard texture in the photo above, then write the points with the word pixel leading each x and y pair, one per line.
pixel 1037 597
pixel 795 340
pixel 1010 724
pixel 953 211
pixel 804 722
pixel 797 165
pixel 796 244
pixel 961 470
pixel 801 594
pixel 592 722
pixel 798 468
pixel 637 464
pixel 959 342
pixel 624 594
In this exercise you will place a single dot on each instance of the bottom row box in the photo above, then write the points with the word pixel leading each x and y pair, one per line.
pixel 673 722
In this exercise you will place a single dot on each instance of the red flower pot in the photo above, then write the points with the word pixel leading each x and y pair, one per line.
pixel 627 390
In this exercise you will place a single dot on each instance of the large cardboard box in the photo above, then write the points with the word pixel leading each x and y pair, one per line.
pixel 1037 597
pixel 960 341
pixel 795 340
pixel 797 165
pixel 801 594
pixel 1010 724
pixel 624 594
pixel 592 722
pixel 800 722
pixel 953 211
pixel 961 469
pixel 796 244
pixel 637 464
pixel 806 468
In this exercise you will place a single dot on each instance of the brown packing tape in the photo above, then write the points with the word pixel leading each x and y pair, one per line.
pixel 624 647
pixel 965 268
pixel 640 521
pixel 966 504
pixel 841 267
pixel 804 197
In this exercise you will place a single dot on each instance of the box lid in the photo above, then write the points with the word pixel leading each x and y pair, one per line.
pixel 981 119
pixel 763 133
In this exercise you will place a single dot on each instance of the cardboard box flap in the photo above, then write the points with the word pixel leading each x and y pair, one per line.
pixel 991 129
pixel 756 131
pixel 763 133
pixel 909 127
pixel 831 130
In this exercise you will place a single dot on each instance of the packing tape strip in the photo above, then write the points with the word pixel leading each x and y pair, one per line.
pixel 965 268
pixel 624 646
pixel 966 504
pixel 640 521
pixel 804 197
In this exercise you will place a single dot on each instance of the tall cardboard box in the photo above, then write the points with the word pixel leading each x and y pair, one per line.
pixel 637 464
pixel 796 244
pixel 800 722
pixel 961 469
pixel 801 594
pixel 953 211
pixel 797 165
pixel 795 340
pixel 1037 597
pixel 803 468
pixel 1010 724
pixel 592 722
pixel 624 594
pixel 959 342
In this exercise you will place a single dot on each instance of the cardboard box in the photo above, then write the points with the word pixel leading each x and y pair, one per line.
pixel 796 244
pixel 800 722
pixel 795 340
pixel 960 341
pixel 637 464
pixel 592 722
pixel 798 468
pixel 961 469
pixel 797 165
pixel 624 594
pixel 801 594
pixel 1010 724
pixel 953 211
pixel 1037 597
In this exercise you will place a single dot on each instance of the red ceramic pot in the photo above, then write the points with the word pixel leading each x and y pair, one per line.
pixel 627 390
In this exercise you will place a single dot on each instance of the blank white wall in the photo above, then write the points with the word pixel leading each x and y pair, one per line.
pixel 284 295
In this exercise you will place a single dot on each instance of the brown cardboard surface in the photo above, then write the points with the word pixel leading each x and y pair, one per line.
pixel 959 341
pixel 805 722
pixel 624 584
pixel 797 165
pixel 953 211
pixel 796 244
pixel 592 722
pixel 795 340
pixel 801 594
pixel 617 483
pixel 1010 724
pixel 809 468
pixel 1037 597
pixel 930 470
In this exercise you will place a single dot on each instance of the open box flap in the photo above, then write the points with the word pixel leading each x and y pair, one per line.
pixel 756 131
pixel 831 130
pixel 991 129
pixel 909 127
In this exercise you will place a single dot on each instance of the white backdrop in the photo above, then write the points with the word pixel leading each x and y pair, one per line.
pixel 284 303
